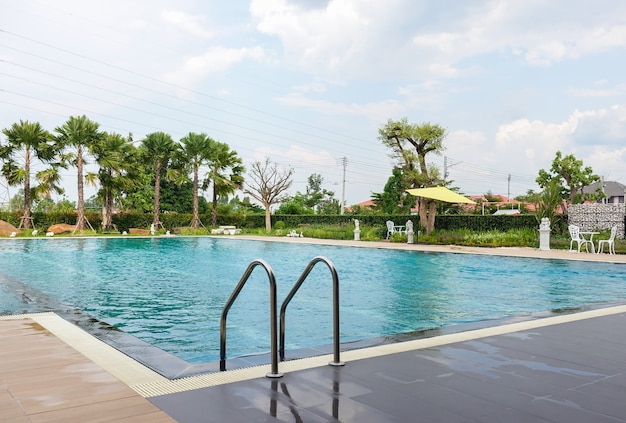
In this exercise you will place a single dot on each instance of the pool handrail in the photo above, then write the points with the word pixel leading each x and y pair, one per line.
pixel 283 308
pixel 273 333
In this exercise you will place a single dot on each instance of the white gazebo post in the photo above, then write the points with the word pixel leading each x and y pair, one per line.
pixel 357 230
pixel 409 232
pixel 544 234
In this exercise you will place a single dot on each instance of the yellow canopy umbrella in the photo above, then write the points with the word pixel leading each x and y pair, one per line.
pixel 441 194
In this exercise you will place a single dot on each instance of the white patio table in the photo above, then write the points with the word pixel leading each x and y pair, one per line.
pixel 590 234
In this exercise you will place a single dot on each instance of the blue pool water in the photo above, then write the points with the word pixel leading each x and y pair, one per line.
pixel 170 291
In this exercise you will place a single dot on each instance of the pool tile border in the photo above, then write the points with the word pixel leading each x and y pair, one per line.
pixel 148 383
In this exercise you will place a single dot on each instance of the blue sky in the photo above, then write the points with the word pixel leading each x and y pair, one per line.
pixel 308 82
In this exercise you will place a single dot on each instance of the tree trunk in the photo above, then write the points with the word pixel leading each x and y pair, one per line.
pixel 157 195
pixel 214 207
pixel 268 219
pixel 80 217
pixel 214 202
pixel 423 210
pixel 107 207
pixel 432 212
pixel 27 190
pixel 104 217
pixel 196 218
pixel 107 221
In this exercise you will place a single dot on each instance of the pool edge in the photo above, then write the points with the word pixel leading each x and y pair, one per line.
pixel 149 383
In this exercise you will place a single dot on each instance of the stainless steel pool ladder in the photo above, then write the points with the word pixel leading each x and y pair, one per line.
pixel 273 333
pixel 333 271
pixel 274 337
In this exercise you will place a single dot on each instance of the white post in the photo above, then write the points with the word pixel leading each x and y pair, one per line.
pixel 544 234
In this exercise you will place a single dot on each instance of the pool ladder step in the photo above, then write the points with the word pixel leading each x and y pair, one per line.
pixel 275 352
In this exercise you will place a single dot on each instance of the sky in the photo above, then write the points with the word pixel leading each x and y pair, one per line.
pixel 308 83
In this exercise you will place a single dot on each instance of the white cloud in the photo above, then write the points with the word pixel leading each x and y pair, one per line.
pixel 542 33
pixel 523 132
pixel 215 60
pixel 594 136
pixel 294 156
pixel 601 127
pixel 192 24
pixel 463 142
pixel 313 87
pixel 341 37
pixel 532 144
pixel 374 111
pixel 513 81
pixel 366 39
pixel 605 161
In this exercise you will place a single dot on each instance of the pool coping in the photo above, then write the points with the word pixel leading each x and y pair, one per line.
pixel 528 252
pixel 148 383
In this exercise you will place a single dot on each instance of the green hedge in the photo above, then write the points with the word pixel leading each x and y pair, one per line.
pixel 480 223
pixel 293 220
pixel 124 221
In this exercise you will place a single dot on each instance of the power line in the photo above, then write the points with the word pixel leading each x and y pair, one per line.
pixel 174 85
pixel 364 167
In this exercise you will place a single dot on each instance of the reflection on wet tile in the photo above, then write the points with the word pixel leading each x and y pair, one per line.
pixel 495 379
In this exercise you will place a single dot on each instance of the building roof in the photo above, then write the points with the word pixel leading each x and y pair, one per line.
pixel 611 188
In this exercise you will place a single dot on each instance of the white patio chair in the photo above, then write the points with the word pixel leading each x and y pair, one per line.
pixel 609 242
pixel 574 232
pixel 391 229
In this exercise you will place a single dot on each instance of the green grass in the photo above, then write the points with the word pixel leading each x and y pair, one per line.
pixel 511 238
pixel 343 232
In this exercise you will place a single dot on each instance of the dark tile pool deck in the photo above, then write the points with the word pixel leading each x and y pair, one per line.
pixel 568 368
pixel 569 372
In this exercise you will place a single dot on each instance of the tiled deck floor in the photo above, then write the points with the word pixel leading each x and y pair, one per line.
pixel 568 368
pixel 43 379
pixel 572 372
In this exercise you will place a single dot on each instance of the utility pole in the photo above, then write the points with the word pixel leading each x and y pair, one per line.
pixel 508 193
pixel 447 166
pixel 344 161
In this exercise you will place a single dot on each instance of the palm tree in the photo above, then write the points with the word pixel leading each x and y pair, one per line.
pixel 116 157
pixel 80 135
pixel 158 150
pixel 196 148
pixel 222 160
pixel 28 141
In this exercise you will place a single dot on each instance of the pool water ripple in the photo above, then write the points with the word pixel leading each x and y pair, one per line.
pixel 170 291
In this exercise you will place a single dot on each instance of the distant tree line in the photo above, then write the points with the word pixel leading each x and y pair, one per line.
pixel 157 174
pixel 129 176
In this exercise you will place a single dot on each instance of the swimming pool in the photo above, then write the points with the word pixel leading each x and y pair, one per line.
pixel 170 291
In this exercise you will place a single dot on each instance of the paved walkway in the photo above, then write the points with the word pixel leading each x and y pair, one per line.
pixel 43 379
pixel 501 251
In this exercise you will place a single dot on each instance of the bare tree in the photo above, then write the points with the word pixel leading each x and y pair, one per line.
pixel 266 183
